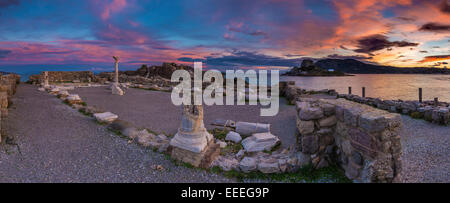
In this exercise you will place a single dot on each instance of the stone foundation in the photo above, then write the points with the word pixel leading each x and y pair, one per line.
pixel 202 159
pixel 63 76
pixel 431 111
pixel 363 140
pixel 8 86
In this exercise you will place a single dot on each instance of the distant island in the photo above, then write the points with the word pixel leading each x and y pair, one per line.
pixel 353 66
pixel 345 67
pixel 308 68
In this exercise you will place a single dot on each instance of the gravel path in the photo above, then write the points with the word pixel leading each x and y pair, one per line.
pixel 154 110
pixel 58 144
pixel 426 151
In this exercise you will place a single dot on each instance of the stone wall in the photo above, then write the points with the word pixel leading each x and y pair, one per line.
pixel 363 140
pixel 433 111
pixel 8 86
pixel 63 76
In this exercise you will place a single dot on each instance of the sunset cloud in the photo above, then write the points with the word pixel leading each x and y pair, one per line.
pixel 435 58
pixel 250 33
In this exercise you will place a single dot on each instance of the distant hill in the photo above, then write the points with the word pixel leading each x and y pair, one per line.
pixel 358 67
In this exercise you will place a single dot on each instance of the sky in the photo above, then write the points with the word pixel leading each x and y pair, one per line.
pixel 244 33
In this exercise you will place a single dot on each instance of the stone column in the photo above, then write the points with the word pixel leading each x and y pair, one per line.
pixel 192 143
pixel 116 64
pixel 45 78
pixel 115 88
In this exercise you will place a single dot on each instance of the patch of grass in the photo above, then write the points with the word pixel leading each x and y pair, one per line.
pixel 231 148
pixel 416 115
pixel 118 133
pixel 83 104
pixel 428 118
pixel 152 132
pixel 84 112
pixel 305 174
pixel 219 133
pixel 66 102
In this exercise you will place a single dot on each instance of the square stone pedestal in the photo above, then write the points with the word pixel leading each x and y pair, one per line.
pixel 202 159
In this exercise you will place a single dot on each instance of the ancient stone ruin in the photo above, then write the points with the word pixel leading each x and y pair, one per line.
pixel 8 86
pixel 47 77
pixel 115 87
pixel 193 144
pixel 363 140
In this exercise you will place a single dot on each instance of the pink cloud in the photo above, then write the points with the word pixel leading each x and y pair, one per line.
pixel 112 7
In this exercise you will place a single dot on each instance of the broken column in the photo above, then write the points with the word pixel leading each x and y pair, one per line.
pixel 45 84
pixel 115 87
pixel 192 143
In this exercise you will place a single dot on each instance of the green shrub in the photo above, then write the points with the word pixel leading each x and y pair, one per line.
pixel 416 115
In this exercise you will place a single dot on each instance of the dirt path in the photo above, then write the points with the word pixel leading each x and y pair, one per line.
pixel 58 144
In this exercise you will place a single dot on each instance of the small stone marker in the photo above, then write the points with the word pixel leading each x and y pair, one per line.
pixel 260 141
pixel 106 117
pixel 74 99
pixel 233 136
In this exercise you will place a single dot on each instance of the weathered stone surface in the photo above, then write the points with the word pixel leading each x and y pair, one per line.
pixel 364 142
pixel 240 154
pixel 303 159
pixel 247 129
pixel 311 113
pixel 372 122
pixel 328 109
pixel 226 163
pixel 233 136
pixel 106 117
pixel 310 144
pixel 73 99
pixel 192 134
pixel 248 164
pixel 328 121
pixel 301 105
pixel 259 142
pixel 146 139
pixel 269 167
pixel 116 90
pixel 305 127
pixel 222 144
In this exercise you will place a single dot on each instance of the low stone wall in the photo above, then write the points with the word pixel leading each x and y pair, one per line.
pixel 363 140
pixel 63 76
pixel 435 112
pixel 8 86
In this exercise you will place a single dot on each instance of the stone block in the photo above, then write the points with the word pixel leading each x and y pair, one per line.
pixel 259 142
pixel 269 167
pixel 312 113
pixel 248 164
pixel 310 144
pixel 305 127
pixel 106 117
pixel 328 121
pixel 233 136
pixel 371 122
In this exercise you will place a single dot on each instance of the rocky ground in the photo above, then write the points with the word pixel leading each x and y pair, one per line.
pixel 55 143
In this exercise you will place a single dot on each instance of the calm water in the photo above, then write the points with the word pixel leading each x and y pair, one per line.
pixel 392 86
